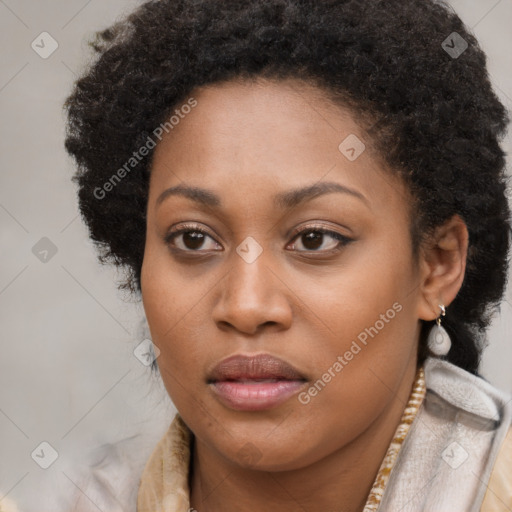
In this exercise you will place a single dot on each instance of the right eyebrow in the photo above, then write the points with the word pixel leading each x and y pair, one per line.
pixel 284 200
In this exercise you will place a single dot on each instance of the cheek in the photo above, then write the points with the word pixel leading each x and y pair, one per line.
pixel 368 298
pixel 174 305
pixel 169 295
pixel 368 334
pixel 357 374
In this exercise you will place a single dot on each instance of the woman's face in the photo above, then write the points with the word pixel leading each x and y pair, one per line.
pixel 275 236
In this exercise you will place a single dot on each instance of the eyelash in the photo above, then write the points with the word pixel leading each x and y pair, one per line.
pixel 343 240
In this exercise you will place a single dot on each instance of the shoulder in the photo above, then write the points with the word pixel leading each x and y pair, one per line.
pixel 111 474
pixel 498 497
pixel 165 476
pixel 7 505
pixel 480 416
pixel 110 479
pixel 470 393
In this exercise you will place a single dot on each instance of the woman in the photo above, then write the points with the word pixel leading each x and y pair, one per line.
pixel 309 198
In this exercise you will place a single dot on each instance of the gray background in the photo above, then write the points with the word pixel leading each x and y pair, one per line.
pixel 68 375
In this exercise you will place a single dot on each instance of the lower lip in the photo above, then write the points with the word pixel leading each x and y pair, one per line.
pixel 255 396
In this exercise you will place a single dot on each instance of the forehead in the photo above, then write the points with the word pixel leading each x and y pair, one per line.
pixel 255 138
pixel 249 114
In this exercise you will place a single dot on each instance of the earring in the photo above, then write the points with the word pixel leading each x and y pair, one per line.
pixel 438 340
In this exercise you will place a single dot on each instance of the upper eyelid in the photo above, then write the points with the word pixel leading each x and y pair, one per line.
pixel 314 227
pixel 294 234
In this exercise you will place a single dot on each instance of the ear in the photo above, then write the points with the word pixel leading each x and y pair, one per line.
pixel 443 264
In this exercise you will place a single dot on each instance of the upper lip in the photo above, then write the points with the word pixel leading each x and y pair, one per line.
pixel 261 366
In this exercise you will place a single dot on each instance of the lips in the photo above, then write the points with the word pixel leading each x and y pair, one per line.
pixel 254 383
pixel 259 367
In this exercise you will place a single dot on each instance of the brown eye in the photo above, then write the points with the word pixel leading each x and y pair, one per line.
pixel 312 240
pixel 318 240
pixel 191 239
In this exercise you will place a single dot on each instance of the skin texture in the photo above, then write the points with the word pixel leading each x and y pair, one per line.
pixel 246 142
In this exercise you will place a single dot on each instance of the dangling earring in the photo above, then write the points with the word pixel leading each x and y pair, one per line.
pixel 439 341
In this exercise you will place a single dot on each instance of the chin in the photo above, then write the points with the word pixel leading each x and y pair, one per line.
pixel 272 454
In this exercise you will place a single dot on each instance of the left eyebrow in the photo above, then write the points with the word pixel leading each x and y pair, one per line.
pixel 288 199
pixel 199 195
pixel 295 197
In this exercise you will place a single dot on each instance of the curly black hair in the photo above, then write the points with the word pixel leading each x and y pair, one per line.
pixel 410 68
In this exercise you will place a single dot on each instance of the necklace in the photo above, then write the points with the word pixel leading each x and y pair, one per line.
pixel 410 411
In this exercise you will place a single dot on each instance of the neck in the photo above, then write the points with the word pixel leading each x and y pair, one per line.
pixel 342 480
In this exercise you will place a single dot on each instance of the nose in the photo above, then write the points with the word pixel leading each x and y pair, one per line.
pixel 253 297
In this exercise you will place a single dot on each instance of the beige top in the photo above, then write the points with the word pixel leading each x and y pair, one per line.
pixel 164 481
